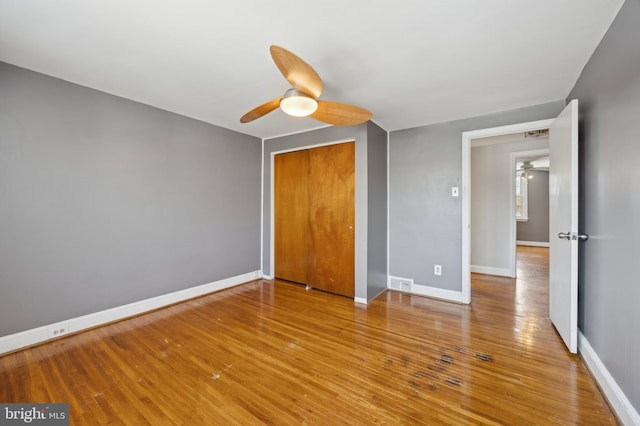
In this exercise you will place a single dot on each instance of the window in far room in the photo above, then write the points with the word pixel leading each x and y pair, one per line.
pixel 522 211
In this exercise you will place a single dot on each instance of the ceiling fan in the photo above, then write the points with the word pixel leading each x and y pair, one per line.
pixel 302 99
pixel 526 170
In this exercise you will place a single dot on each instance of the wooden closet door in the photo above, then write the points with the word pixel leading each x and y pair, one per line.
pixel 331 225
pixel 314 216
pixel 291 215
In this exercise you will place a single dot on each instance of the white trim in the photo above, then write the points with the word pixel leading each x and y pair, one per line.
pixel 388 209
pixel 438 293
pixel 312 129
pixel 298 132
pixel 466 218
pixel 509 129
pixel 37 335
pixel 262 208
pixel 532 243
pixel 267 277
pixel 466 189
pixel 618 400
pixel 513 224
pixel 272 225
pixel 501 272
pixel 315 145
pixel 362 300
pixel 488 142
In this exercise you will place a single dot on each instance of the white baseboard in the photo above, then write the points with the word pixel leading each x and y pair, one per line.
pixel 532 243
pixel 362 300
pixel 491 271
pixel 407 285
pixel 267 277
pixel 438 293
pixel 37 335
pixel 618 400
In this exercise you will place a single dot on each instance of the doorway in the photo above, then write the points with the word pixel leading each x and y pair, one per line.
pixel 467 138
pixel 494 199
pixel 563 216
pixel 532 197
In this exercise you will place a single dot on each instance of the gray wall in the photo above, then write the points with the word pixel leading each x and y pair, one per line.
pixel 536 229
pixel 424 220
pixel 317 137
pixel 377 211
pixel 608 91
pixel 105 201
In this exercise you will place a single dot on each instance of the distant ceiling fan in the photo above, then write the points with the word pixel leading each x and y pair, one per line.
pixel 302 99
pixel 526 170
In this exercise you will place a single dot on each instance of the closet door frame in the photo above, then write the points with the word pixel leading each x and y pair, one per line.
pixel 272 247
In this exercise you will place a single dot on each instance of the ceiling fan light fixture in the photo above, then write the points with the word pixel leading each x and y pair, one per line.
pixel 527 169
pixel 298 104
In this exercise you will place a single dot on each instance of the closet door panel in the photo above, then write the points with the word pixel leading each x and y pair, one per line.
pixel 291 172
pixel 331 224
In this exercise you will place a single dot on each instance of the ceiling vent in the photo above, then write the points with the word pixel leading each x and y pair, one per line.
pixel 536 133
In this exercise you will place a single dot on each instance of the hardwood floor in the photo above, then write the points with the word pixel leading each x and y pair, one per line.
pixel 270 352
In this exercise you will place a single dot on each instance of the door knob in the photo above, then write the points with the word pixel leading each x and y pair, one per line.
pixel 572 236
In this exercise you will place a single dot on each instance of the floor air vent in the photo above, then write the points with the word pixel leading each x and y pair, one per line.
pixel 402 284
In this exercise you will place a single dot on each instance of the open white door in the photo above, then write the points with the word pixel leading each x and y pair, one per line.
pixel 563 225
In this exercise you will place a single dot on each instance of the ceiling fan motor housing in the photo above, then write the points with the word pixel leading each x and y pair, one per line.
pixel 298 104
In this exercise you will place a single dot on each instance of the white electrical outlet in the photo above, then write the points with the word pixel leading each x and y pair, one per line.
pixel 58 331
pixel 437 269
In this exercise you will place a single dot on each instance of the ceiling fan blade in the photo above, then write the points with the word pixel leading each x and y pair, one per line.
pixel 340 114
pixel 296 71
pixel 261 110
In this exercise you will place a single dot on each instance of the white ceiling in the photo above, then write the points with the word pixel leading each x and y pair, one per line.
pixel 410 62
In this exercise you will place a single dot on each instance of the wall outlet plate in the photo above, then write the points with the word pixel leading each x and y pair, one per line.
pixel 437 270
pixel 58 331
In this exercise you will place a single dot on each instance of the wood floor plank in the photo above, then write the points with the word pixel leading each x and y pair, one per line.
pixel 270 352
